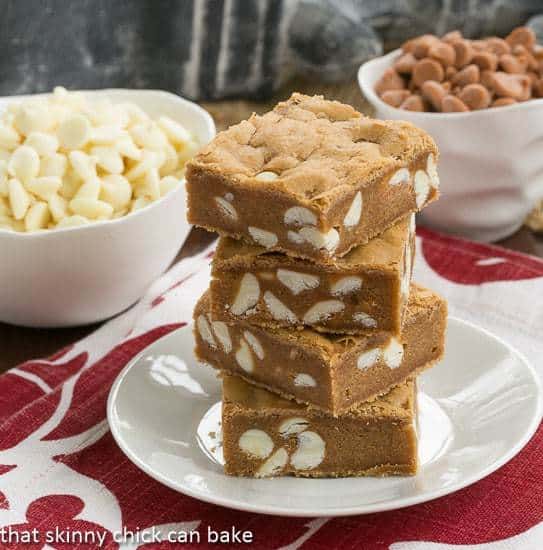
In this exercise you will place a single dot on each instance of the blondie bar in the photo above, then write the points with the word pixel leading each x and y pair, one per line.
pixel 312 178
pixel 265 435
pixel 327 371
pixel 364 290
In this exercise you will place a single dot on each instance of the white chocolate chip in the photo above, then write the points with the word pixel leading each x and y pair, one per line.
pixel 295 237
pixel 226 208
pixel 24 163
pixel 256 443
pixel 431 168
pixel 274 464
pixel 297 282
pixel 346 285
pixel 74 132
pixel 205 331
pixel 304 380
pixel 393 354
pixel 355 211
pixel 310 452
pixel 292 426
pixel 263 237
pixel 400 176
pixel 364 319
pixel 266 176
pixel 322 311
pixel 223 335
pixel 244 357
pixel 368 358
pixel 327 241
pixel 255 344
pixel 277 309
pixel 248 295
pixel 300 216
pixel 229 197
pixel 422 187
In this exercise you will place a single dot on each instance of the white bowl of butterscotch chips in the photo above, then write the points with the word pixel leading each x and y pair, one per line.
pixel 482 101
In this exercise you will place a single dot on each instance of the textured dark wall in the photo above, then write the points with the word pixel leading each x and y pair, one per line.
pixel 219 48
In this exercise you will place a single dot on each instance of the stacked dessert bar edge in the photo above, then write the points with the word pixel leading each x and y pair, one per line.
pixel 311 316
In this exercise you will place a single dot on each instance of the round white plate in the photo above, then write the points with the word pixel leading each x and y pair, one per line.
pixel 477 409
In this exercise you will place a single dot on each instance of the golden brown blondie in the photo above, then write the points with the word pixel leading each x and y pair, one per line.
pixel 265 435
pixel 312 178
pixel 327 371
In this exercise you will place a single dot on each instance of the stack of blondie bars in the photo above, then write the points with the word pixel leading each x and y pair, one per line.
pixel 311 315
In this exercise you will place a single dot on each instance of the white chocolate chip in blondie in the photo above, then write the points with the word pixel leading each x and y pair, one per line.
pixel 297 282
pixel 431 168
pixel 355 211
pixel 244 357
pixel 400 176
pixel 305 380
pixel 295 237
pixel 327 241
pixel 277 309
pixel 226 208
pixel 248 295
pixel 255 344
pixel 292 426
pixel 262 237
pixel 364 319
pixel 205 331
pixel 422 187
pixel 393 354
pixel 299 216
pixel 223 335
pixel 274 464
pixel 266 176
pixel 346 285
pixel 323 310
pixel 256 443
pixel 368 358
pixel 310 451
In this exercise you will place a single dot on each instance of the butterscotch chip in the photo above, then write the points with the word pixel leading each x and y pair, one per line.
pixel 422 45
pixel 442 52
pixel 321 169
pixel 523 36
pixel 390 80
pixel 413 103
pixel 452 36
pixel 487 78
pixel 516 86
pixel 503 102
pixel 512 64
pixel 264 435
pixel 464 53
pixel 525 57
pixel 450 72
pixel 434 92
pixel 328 371
pixel 534 77
pixel 498 46
pixel 468 75
pixel 451 104
pixel 479 45
pixel 486 61
pixel 427 69
pixel 405 63
pixel 475 96
pixel 395 97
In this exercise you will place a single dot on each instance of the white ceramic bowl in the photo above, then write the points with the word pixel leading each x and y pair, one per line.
pixel 491 161
pixel 80 275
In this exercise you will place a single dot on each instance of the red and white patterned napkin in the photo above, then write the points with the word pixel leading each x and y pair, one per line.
pixel 60 468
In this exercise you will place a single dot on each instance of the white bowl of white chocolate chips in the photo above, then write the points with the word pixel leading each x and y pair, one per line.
pixel 490 160
pixel 92 199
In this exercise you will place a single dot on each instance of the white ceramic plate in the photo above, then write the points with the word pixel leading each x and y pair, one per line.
pixel 478 408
